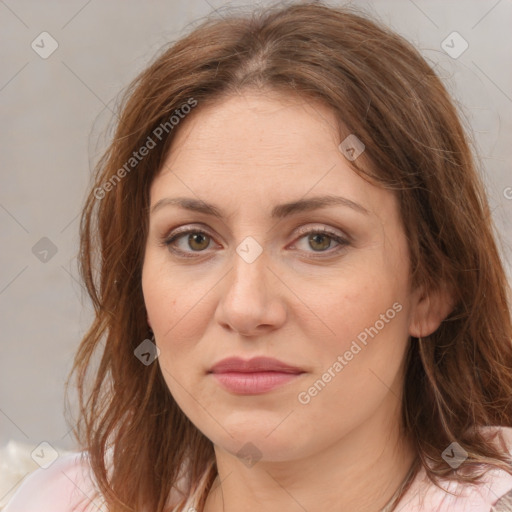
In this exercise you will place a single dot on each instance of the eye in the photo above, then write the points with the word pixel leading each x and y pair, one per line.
pixel 321 240
pixel 194 239
pixel 189 241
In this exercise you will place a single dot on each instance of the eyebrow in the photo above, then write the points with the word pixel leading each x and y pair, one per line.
pixel 280 211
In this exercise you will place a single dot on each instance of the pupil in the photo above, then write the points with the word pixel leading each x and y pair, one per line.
pixel 194 238
pixel 315 237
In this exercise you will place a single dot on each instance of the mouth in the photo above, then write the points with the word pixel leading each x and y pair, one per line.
pixel 255 376
pixel 253 383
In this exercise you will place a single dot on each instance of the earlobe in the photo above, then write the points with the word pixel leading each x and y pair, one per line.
pixel 429 310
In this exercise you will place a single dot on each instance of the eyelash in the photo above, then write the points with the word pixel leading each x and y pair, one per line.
pixel 169 240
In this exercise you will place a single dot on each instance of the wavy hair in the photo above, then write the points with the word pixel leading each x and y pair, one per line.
pixel 380 88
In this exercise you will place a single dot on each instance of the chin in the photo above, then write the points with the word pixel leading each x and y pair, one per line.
pixel 255 441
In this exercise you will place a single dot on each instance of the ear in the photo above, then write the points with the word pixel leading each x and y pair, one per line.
pixel 429 310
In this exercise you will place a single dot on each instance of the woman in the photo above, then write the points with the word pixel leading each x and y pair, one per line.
pixel 299 299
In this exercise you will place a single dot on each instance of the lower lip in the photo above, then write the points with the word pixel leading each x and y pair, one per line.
pixel 253 383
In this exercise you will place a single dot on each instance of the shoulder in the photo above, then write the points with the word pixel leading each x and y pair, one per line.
pixel 66 486
pixel 500 482
pixel 493 495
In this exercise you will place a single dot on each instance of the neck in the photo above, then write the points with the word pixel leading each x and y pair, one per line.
pixel 362 471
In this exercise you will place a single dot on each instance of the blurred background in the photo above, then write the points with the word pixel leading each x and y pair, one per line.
pixel 63 66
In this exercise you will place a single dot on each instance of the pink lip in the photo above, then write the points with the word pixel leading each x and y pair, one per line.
pixel 257 375
pixel 256 364
pixel 253 383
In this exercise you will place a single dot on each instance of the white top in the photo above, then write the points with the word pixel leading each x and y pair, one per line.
pixel 68 484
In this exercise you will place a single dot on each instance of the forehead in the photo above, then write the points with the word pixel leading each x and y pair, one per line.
pixel 257 148
pixel 255 126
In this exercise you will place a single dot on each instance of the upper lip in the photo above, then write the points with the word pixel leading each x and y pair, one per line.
pixel 256 364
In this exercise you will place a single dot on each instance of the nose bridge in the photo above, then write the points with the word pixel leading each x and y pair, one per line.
pixel 249 268
pixel 249 301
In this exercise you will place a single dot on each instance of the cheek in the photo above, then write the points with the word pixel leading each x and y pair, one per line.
pixel 363 337
pixel 180 304
pixel 176 301
pixel 336 311
pixel 356 368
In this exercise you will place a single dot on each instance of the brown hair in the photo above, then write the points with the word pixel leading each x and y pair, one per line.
pixel 381 89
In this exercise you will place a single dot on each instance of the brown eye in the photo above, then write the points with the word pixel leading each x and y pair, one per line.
pixel 197 241
pixel 188 242
pixel 319 241
pixel 322 241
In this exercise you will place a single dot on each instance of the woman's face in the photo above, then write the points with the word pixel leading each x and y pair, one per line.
pixel 256 280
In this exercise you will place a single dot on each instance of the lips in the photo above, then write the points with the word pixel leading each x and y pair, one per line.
pixel 255 376
pixel 254 365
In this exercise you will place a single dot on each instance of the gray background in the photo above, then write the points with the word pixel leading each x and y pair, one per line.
pixel 55 110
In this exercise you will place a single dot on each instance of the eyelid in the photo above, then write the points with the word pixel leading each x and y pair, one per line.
pixel 320 228
pixel 185 229
pixel 317 227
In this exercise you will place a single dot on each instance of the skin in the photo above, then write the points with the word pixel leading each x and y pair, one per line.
pixel 301 301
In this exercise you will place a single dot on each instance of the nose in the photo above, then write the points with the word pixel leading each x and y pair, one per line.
pixel 253 300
